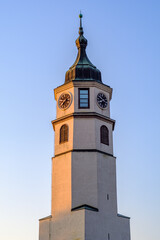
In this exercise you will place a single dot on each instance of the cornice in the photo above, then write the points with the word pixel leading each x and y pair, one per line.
pixel 84 150
pixel 46 218
pixel 122 216
pixel 84 115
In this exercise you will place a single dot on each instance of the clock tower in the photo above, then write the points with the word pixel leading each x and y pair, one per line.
pixel 84 196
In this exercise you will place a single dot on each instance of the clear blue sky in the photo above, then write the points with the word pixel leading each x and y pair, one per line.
pixel 37 46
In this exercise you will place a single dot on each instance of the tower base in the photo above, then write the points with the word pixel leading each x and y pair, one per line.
pixel 84 224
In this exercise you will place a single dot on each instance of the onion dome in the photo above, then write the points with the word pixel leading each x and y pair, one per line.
pixel 82 69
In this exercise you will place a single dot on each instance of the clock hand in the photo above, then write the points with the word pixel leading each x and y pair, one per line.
pixel 100 97
pixel 62 102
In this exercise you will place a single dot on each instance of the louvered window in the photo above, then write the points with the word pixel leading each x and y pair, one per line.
pixel 64 133
pixel 104 135
pixel 83 97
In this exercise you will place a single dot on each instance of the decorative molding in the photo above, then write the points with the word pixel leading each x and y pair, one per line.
pixel 84 150
pixel 85 206
pixel 45 218
pixel 85 115
pixel 119 215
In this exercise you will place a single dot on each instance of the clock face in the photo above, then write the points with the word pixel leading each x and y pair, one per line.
pixel 64 101
pixel 102 100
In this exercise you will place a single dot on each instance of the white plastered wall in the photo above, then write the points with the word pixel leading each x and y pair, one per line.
pixel 87 134
pixel 69 226
pixel 61 185
pixel 93 102
pixel 84 179
pixel 66 146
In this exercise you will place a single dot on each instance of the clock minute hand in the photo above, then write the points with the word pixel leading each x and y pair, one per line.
pixel 64 101
pixel 100 97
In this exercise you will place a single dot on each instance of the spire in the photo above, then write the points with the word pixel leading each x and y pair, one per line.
pixel 80 28
pixel 82 69
pixel 81 39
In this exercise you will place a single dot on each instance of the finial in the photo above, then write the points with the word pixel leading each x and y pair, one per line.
pixel 80 28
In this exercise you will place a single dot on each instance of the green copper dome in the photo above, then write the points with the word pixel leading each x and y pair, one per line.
pixel 82 69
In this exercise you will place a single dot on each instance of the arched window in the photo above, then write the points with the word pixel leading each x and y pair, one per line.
pixel 104 134
pixel 64 133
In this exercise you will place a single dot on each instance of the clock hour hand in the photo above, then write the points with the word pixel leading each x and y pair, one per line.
pixel 62 102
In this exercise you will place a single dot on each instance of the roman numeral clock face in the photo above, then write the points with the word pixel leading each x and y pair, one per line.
pixel 64 101
pixel 102 100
